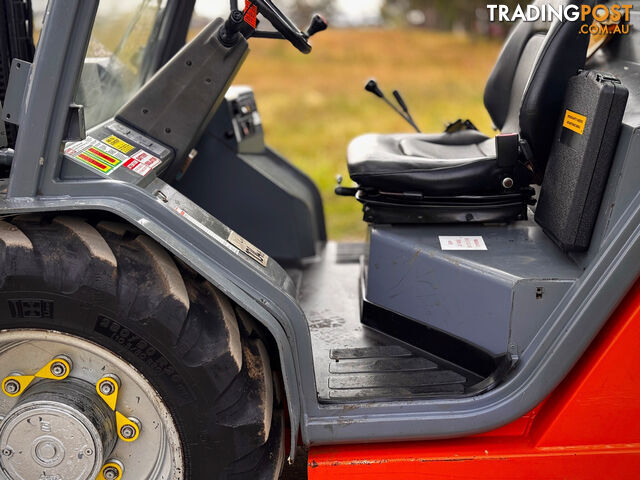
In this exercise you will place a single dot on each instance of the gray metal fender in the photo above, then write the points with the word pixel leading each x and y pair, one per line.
pixel 201 241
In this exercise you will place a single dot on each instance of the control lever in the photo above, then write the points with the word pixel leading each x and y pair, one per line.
pixel 318 24
pixel 372 86
pixel 405 109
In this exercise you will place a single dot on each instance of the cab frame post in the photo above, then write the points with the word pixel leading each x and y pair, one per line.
pixel 49 93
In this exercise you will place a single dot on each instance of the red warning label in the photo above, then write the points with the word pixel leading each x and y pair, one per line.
pixel 95 154
pixel 142 162
pixel 250 14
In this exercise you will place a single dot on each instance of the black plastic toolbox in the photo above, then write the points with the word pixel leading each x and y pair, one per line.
pixel 580 158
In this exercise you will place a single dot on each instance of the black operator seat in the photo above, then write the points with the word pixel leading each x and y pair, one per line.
pixel 465 175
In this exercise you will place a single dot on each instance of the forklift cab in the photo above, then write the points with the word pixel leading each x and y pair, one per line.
pixel 467 305
pixel 456 280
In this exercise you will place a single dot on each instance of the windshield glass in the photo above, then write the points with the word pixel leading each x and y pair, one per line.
pixel 123 43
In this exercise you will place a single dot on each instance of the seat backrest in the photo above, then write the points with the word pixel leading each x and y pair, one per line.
pixel 526 88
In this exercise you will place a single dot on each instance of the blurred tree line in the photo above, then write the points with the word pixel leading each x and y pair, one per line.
pixel 468 15
pixel 302 10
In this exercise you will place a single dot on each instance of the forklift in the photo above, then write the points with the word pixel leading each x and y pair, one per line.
pixel 171 308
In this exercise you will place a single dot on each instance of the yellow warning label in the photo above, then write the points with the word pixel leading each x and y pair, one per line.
pixel 574 121
pixel 121 145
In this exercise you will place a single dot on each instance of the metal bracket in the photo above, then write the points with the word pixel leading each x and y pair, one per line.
pixel 76 129
pixel 108 388
pixel 57 369
pixel 14 98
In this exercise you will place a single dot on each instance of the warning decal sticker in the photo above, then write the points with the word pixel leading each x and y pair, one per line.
pixel 142 162
pixel 248 249
pixel 235 242
pixel 121 145
pixel 96 155
pixel 462 243
pixel 574 121
pixel 206 230
pixel 251 14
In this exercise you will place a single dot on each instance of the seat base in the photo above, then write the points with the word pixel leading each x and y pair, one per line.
pixel 390 208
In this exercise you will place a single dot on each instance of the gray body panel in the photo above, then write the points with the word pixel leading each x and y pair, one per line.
pixel 257 192
pixel 486 297
pixel 269 294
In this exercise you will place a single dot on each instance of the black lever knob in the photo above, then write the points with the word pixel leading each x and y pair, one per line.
pixel 400 101
pixel 372 86
pixel 318 24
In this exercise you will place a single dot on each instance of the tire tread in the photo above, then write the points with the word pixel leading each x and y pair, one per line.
pixel 176 309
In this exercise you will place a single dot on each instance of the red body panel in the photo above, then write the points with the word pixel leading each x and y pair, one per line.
pixel 588 428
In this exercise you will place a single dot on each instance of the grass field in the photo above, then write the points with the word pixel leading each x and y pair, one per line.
pixel 313 105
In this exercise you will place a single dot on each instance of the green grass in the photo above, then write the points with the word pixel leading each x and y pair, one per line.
pixel 313 105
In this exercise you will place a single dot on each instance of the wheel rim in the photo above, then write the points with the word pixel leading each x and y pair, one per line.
pixel 64 429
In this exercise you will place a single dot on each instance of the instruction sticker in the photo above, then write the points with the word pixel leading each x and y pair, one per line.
pixel 248 249
pixel 119 144
pixel 96 155
pixel 574 122
pixel 462 243
pixel 206 230
pixel 235 242
pixel 142 162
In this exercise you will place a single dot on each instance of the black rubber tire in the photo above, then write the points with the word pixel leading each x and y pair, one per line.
pixel 110 284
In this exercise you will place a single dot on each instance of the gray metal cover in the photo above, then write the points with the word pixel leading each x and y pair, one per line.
pixel 490 298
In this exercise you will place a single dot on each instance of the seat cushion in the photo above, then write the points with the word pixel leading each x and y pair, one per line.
pixel 458 163
pixel 466 144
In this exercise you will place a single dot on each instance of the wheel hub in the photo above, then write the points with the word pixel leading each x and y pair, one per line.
pixel 58 422
pixel 57 431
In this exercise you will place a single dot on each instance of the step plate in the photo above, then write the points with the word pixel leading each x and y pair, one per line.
pixel 353 363
pixel 388 373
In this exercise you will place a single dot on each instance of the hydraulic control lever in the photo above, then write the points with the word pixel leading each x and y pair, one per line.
pixel 318 24
pixel 403 111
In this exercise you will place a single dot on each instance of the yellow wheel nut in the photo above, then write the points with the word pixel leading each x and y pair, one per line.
pixel 14 385
pixel 58 369
pixel 11 387
pixel 128 428
pixel 108 387
pixel 112 470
